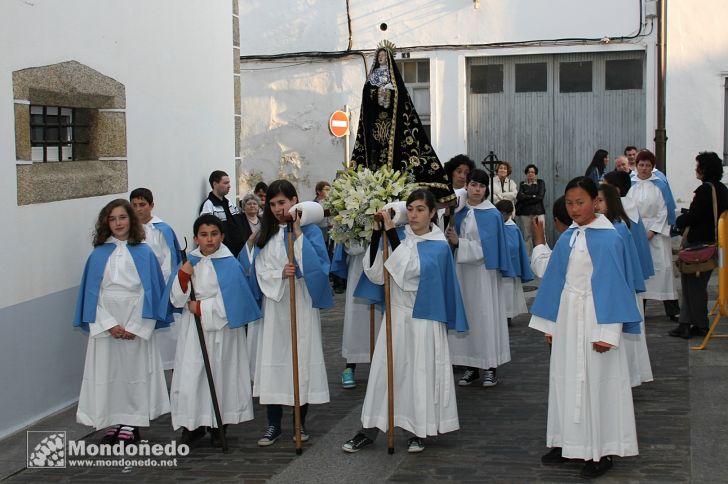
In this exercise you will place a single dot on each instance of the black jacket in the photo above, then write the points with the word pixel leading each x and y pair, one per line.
pixel 700 217
pixel 529 200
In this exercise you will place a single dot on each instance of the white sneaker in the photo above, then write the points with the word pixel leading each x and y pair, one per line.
pixel 415 445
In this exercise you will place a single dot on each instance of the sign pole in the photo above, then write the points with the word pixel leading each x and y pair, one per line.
pixel 346 143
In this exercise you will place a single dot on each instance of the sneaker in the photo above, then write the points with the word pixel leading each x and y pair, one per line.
pixel 489 378
pixel 304 435
pixel 357 443
pixel 110 435
pixel 271 434
pixel 347 379
pixel 415 445
pixel 553 457
pixel 595 469
pixel 469 377
pixel 128 434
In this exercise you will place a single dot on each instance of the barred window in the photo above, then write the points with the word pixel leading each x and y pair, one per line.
pixel 56 132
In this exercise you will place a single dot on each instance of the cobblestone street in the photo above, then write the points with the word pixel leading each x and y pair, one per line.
pixel 502 428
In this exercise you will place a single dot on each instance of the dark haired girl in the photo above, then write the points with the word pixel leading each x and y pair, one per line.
pixel 585 303
pixel 273 381
pixel 425 303
pixel 481 253
pixel 123 385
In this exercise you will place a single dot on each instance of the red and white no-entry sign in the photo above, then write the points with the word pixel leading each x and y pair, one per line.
pixel 339 124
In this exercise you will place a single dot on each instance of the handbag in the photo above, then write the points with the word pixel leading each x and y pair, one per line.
pixel 702 257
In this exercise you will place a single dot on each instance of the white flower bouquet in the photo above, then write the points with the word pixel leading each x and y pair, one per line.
pixel 356 195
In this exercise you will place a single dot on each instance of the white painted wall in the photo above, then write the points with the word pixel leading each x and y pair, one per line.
pixel 173 56
pixel 279 26
pixel 696 69
pixel 286 103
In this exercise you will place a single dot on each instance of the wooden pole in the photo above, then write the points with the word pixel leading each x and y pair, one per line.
pixel 294 346
pixel 371 332
pixel 390 365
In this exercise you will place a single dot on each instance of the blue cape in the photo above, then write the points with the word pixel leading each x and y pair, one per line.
pixel 438 293
pixel 315 265
pixel 249 271
pixel 366 289
pixel 520 263
pixel 492 238
pixel 149 273
pixel 612 281
pixel 639 237
pixel 638 281
pixel 340 262
pixel 666 195
pixel 171 238
pixel 241 307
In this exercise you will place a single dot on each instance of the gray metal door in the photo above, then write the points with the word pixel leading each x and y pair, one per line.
pixel 519 108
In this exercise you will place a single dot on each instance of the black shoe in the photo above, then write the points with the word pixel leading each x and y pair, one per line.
pixel 189 436
pixel 111 435
pixel 673 317
pixel 681 331
pixel 553 457
pixel 356 443
pixel 698 331
pixel 215 438
pixel 595 469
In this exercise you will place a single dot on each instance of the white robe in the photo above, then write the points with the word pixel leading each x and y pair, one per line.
pixel 273 369
pixel 515 299
pixel 355 341
pixel 123 380
pixel 226 349
pixel 166 337
pixel 486 344
pixel 590 412
pixel 653 210
pixel 635 345
pixel 424 388
pixel 252 329
pixel 540 259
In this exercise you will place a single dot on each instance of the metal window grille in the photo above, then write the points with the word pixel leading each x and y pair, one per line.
pixel 56 132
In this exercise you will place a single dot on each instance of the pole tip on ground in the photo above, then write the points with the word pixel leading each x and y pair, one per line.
pixel 390 450
pixel 299 451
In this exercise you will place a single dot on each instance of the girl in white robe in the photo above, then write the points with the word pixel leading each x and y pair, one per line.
pixel 424 396
pixel 486 345
pixel 590 411
pixel 123 385
pixel 224 337
pixel 273 381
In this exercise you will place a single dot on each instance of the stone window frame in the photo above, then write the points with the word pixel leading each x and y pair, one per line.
pixel 71 84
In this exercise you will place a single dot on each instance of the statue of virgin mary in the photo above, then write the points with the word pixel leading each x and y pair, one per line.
pixel 390 131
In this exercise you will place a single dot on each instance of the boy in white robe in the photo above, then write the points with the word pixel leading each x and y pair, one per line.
pixel 223 310
pixel 163 241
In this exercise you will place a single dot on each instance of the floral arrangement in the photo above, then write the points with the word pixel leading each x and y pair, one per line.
pixel 356 195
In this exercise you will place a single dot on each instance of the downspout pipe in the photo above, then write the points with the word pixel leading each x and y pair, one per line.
pixel 661 132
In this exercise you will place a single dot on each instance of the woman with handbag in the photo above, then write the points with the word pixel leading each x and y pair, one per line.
pixel 699 225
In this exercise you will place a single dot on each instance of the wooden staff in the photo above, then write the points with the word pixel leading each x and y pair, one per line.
pixel 371 331
pixel 388 321
pixel 390 366
pixel 294 345
pixel 206 361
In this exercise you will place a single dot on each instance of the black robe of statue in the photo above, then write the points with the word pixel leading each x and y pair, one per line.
pixel 390 132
